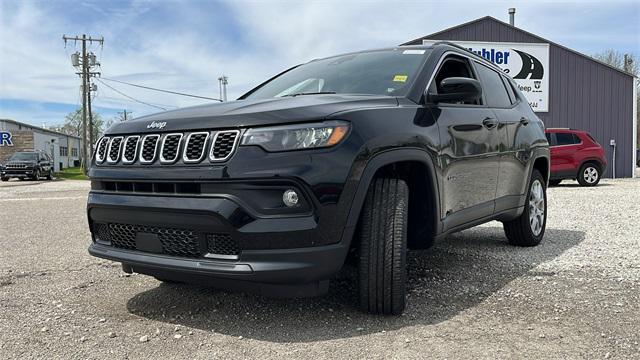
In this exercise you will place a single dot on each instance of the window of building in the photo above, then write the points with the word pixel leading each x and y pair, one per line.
pixel 74 152
pixel 493 88
pixel 64 151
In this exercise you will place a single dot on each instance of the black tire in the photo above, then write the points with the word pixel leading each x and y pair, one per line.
pixel 36 176
pixel 4 179
pixel 587 173
pixel 382 270
pixel 519 231
pixel 50 175
pixel 555 182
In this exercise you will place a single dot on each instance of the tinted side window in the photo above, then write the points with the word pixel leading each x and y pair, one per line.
pixel 566 139
pixel 548 137
pixel 453 66
pixel 493 88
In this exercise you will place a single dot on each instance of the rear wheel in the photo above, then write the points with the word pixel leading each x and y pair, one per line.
pixel 4 179
pixel 589 174
pixel 528 228
pixel 555 182
pixel 383 248
pixel 50 175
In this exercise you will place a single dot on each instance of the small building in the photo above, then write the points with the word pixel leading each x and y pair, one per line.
pixel 565 88
pixel 65 150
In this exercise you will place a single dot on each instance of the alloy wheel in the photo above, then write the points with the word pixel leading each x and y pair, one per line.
pixel 536 207
pixel 590 174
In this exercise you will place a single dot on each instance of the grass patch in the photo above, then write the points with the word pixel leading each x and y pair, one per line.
pixel 74 173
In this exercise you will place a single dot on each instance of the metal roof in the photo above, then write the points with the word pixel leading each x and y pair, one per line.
pixel 38 128
pixel 514 28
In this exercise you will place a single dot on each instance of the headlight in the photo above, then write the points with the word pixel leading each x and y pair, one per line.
pixel 297 137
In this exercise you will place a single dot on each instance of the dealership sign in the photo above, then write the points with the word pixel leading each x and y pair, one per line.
pixel 526 63
pixel 5 138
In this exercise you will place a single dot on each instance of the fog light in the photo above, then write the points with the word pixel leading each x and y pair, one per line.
pixel 290 198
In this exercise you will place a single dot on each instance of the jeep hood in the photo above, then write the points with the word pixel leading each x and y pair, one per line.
pixel 245 113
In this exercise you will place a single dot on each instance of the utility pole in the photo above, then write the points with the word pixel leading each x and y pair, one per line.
pixel 224 80
pixel 82 60
pixel 123 114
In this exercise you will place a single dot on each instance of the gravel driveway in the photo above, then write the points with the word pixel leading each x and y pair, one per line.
pixel 577 295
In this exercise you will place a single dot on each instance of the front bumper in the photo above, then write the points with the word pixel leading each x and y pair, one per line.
pixel 22 173
pixel 279 254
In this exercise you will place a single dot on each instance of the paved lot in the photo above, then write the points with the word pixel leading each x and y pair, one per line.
pixel 577 295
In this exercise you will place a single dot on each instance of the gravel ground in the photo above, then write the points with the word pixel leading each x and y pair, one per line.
pixel 577 295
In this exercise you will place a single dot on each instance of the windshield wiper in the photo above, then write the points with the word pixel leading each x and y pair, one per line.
pixel 310 93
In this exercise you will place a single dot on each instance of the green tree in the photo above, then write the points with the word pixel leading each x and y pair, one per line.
pixel 73 124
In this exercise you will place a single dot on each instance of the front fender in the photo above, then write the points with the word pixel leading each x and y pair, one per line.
pixel 374 164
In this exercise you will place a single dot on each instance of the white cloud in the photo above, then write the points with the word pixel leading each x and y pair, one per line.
pixel 184 51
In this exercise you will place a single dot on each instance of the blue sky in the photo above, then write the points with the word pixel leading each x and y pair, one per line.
pixel 186 45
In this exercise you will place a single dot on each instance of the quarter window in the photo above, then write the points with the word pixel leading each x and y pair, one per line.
pixel 493 88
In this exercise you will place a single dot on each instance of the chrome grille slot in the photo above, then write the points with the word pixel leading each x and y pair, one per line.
pixel 130 149
pixel 223 145
pixel 170 148
pixel 113 155
pixel 102 149
pixel 194 147
pixel 149 149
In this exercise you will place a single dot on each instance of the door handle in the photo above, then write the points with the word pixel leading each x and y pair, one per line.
pixel 524 121
pixel 490 123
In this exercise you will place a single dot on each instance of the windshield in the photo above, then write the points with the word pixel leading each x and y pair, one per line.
pixel 24 156
pixel 384 72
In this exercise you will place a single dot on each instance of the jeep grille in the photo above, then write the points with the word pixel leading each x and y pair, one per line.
pixel 223 145
pixel 174 148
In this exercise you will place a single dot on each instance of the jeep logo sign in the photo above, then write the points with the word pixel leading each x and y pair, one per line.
pixel 526 63
pixel 157 125
pixel 5 138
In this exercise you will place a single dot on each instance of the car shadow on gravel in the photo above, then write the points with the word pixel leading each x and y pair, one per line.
pixel 456 274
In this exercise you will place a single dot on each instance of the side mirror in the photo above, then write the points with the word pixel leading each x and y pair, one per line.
pixel 457 89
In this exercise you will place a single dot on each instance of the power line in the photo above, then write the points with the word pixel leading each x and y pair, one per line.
pixel 122 101
pixel 127 96
pixel 161 90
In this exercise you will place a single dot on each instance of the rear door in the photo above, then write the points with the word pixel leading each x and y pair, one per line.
pixel 563 154
pixel 469 150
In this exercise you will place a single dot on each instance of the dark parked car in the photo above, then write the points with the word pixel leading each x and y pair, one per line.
pixel 362 155
pixel 28 165
pixel 575 154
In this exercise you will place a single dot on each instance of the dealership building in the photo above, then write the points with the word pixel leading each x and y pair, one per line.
pixel 16 136
pixel 565 88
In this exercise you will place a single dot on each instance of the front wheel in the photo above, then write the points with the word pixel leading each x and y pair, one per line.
pixel 589 175
pixel 5 179
pixel 37 175
pixel 382 269
pixel 528 228
pixel 50 175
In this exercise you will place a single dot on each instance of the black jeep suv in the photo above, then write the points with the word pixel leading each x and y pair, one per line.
pixel 365 154
pixel 27 165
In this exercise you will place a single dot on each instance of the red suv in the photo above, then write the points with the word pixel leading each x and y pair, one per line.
pixel 575 154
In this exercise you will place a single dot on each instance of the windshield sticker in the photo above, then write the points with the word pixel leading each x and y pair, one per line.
pixel 413 52
pixel 400 78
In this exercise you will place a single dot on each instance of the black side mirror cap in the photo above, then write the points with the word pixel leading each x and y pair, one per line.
pixel 457 89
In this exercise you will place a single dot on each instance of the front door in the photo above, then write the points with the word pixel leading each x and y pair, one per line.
pixel 469 153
